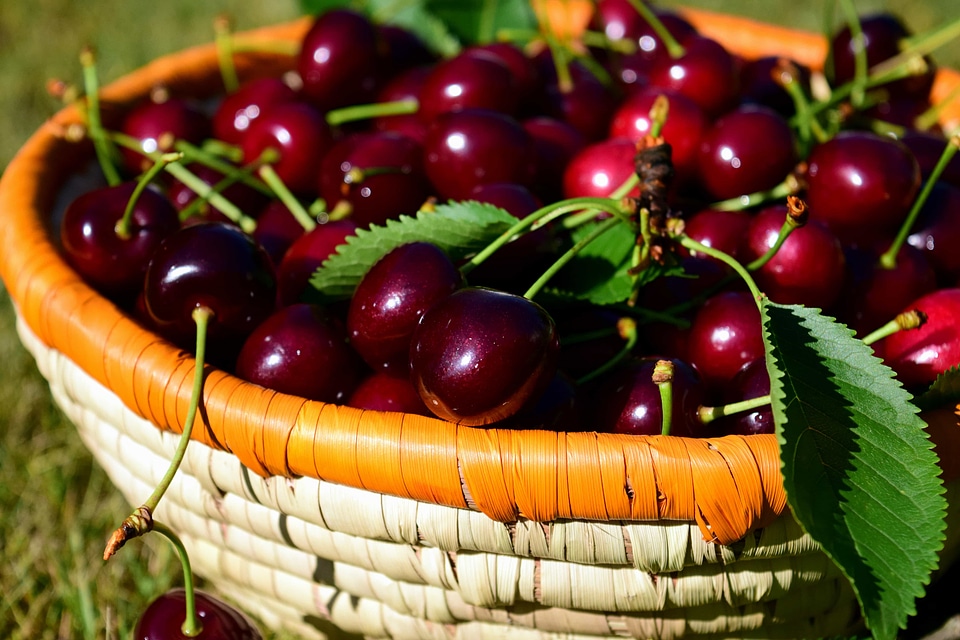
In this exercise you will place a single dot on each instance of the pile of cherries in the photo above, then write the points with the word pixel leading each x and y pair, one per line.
pixel 269 181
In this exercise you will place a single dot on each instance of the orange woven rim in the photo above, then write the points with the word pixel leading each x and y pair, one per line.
pixel 727 485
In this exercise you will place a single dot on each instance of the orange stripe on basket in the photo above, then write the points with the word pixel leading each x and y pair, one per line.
pixel 720 510
pixel 535 474
pixel 300 446
pixel 585 482
pixel 613 476
pixel 484 473
pixel 674 478
pixel 335 445
pixel 379 437
pixel 642 481
pixel 122 347
pixel 428 461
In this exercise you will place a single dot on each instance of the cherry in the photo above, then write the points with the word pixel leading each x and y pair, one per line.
pixel 374 177
pixel 305 256
pixel 299 134
pixel 747 150
pixel 475 81
pixel 113 262
pixel 341 59
pixel 406 85
pixel 752 381
pixel 405 50
pixel 586 105
pixel 719 229
pixel 276 230
pixel 303 351
pixel 525 78
pixel 157 125
pixel 928 147
pixel 164 616
pixel 628 401
pixel 238 110
pixel 937 230
pixel 807 269
pixel 918 356
pixel 472 147
pixel 683 130
pixel 706 73
pixel 758 86
pixel 480 355
pixel 724 336
pixel 556 409
pixel 600 168
pixel 246 198
pixel 861 185
pixel 214 266
pixel 392 296
pixel 386 391
pixel 555 142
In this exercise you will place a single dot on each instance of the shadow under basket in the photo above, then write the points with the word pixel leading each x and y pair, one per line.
pixel 335 522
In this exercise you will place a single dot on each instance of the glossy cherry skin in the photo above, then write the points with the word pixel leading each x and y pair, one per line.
pixel 718 229
pixel 113 265
pixel 405 85
pixel 340 60
pixel 586 105
pixel 468 148
pixel 526 79
pixel 277 230
pixel 300 135
pixel 706 73
pixel 633 69
pixel 480 355
pixel 599 169
pixel 212 265
pixel 752 381
pixel 725 335
pixel 861 184
pixel 628 401
pixel 747 150
pixel 808 268
pixel 238 110
pixel 937 231
pixel 392 296
pixel 918 356
pixel 157 125
pixel 555 142
pixel 474 81
pixel 303 351
pixel 163 619
pixel 385 391
pixel 305 256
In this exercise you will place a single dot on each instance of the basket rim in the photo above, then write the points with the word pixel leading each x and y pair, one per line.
pixel 727 485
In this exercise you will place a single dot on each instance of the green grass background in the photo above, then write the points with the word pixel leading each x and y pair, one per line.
pixel 56 506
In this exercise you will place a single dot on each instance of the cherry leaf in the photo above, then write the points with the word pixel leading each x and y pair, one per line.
pixel 459 228
pixel 945 390
pixel 858 466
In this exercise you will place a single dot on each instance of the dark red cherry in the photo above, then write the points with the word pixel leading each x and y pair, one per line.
pixel 216 266
pixel 927 147
pixel 918 356
pixel 525 77
pixel 305 256
pixel 391 297
pixel 555 142
pixel 473 81
pixel 112 264
pixel 599 169
pixel 157 125
pixel 386 391
pixel 808 268
pixel 163 619
pixel 937 230
pixel 480 355
pixel 758 84
pixel 374 177
pixel 587 105
pixel 747 150
pixel 341 59
pixel 277 229
pixel 752 381
pixel 300 135
pixel 861 185
pixel 238 110
pixel 406 85
pixel 303 351
pixel 405 50
pixel 706 73
pixel 468 148
pixel 628 401
pixel 725 335
pixel 721 230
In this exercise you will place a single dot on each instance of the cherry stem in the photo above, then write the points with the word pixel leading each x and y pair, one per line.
pixel 889 258
pixel 663 378
pixel 788 187
pixel 796 217
pixel 674 48
pixel 141 522
pixel 918 46
pixel 600 40
pixel 913 319
pixel 224 44
pixel 692 245
pixel 269 175
pixel 860 70
pixel 570 254
pixel 192 626
pixel 627 329
pixel 123 226
pixel 214 161
pixel 201 201
pixel 785 74
pixel 214 148
pixel 588 215
pixel 353 113
pixel 101 144
pixel 561 63
pixel 709 414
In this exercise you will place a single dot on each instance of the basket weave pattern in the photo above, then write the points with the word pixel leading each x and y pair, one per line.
pixel 329 520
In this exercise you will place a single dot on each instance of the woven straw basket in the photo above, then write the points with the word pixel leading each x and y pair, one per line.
pixel 336 522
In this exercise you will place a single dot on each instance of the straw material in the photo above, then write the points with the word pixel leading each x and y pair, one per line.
pixel 319 517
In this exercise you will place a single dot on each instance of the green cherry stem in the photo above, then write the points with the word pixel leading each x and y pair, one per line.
pixel 269 175
pixel 215 148
pixel 709 414
pixel 860 70
pixel 663 378
pixel 141 520
pixel 216 161
pixel 692 245
pixel 889 258
pixel 918 46
pixel 192 626
pixel 788 187
pixel 674 48
pixel 913 319
pixel 570 254
pixel 224 45
pixel 809 129
pixel 353 113
pixel 101 144
pixel 122 228
pixel 626 329
pixel 797 216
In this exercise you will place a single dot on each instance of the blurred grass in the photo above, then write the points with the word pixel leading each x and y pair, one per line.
pixel 56 505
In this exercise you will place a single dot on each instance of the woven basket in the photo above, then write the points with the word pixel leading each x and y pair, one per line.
pixel 332 521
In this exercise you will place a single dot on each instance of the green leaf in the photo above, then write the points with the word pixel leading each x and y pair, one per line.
pixel 858 468
pixel 944 390
pixel 417 18
pixel 478 21
pixel 459 228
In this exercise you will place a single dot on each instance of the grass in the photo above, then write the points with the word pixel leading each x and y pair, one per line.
pixel 56 505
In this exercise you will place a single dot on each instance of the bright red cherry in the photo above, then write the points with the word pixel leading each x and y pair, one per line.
pixel 919 355
pixel 725 335
pixel 706 73
pixel 163 619
pixel 600 168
